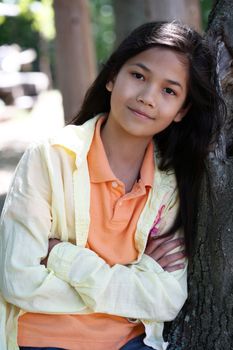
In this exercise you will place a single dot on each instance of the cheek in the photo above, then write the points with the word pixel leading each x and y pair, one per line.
pixel 114 98
pixel 171 108
pixel 119 94
pixel 115 102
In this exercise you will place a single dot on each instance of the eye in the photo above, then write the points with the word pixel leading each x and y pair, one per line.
pixel 169 91
pixel 138 76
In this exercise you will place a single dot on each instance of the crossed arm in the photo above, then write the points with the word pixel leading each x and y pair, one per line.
pixel 159 248
pixel 77 280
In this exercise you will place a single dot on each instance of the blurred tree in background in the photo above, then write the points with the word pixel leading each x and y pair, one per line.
pixel 133 13
pixel 34 27
pixel 75 53
pixel 35 23
pixel 36 20
pixel 103 22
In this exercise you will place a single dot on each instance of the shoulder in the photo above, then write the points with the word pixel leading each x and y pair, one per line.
pixel 164 180
pixel 68 145
pixel 165 190
pixel 73 137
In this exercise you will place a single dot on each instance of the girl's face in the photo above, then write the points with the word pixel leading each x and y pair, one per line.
pixel 149 92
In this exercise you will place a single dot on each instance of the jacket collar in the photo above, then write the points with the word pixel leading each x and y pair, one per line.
pixel 76 138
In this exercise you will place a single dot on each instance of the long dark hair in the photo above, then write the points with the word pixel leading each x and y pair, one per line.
pixel 182 146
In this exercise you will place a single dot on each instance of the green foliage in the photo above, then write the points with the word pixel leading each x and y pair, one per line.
pixel 42 15
pixel 18 30
pixel 206 6
pixel 38 15
pixel 102 17
pixel 35 20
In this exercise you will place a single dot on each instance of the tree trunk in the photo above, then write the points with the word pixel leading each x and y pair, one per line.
pixel 206 320
pixel 168 10
pixel 131 13
pixel 75 52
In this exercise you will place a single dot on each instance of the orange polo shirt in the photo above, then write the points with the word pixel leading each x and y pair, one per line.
pixel 114 215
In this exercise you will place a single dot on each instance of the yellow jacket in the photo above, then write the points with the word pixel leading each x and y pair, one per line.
pixel 50 197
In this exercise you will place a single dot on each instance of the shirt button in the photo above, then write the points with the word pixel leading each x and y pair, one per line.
pixel 114 184
pixel 133 320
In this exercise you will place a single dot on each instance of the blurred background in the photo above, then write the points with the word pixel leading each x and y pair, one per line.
pixel 50 52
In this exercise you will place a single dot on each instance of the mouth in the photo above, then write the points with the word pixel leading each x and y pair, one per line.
pixel 140 114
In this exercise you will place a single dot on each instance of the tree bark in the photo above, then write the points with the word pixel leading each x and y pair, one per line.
pixel 206 320
pixel 131 13
pixel 75 52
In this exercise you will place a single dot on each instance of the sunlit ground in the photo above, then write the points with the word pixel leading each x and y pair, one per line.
pixel 20 128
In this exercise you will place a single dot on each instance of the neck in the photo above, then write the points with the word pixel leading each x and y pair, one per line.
pixel 125 153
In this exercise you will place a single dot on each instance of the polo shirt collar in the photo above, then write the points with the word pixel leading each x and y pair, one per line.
pixel 148 166
pixel 99 168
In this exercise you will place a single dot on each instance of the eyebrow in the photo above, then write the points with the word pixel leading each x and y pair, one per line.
pixel 170 81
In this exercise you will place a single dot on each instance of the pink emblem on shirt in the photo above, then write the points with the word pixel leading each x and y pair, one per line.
pixel 154 229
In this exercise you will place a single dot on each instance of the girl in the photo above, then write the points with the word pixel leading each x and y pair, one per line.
pixel 83 261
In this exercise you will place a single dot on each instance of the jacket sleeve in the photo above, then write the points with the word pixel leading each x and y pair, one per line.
pixel 142 291
pixel 24 232
pixel 77 280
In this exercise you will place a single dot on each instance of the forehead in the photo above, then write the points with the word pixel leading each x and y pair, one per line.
pixel 162 60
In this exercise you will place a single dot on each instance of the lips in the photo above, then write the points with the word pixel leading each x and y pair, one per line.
pixel 141 114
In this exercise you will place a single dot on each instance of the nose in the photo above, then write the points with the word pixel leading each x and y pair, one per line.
pixel 147 97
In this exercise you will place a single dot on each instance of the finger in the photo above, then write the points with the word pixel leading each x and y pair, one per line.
pixel 170 259
pixel 166 247
pixel 174 267
pixel 52 243
pixel 54 240
pixel 159 240
pixel 154 243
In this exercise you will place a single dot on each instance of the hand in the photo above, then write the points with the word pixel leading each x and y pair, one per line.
pixel 52 243
pixel 159 249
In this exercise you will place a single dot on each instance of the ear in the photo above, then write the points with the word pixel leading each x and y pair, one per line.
pixel 109 85
pixel 181 114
